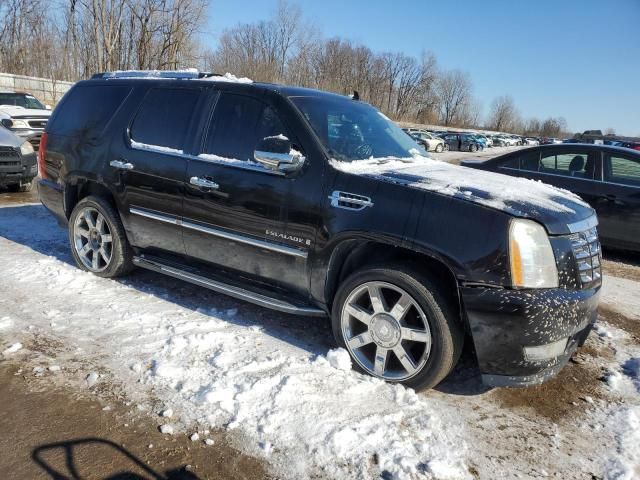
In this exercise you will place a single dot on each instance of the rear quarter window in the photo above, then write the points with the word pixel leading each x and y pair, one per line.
pixel 87 110
pixel 164 117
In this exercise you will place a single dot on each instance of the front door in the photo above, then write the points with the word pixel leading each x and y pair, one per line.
pixel 576 169
pixel 241 215
pixel 151 167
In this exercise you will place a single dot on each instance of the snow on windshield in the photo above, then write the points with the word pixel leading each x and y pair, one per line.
pixel 487 188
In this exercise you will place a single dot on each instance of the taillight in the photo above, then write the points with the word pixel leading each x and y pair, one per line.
pixel 637 147
pixel 41 153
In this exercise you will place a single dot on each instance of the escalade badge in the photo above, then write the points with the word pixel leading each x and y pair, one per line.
pixel 290 238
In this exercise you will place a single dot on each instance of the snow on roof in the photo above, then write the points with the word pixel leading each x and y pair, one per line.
pixel 491 189
pixel 227 77
pixel 187 73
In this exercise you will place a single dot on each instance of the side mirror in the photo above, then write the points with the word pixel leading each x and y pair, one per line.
pixel 275 153
pixel 47 107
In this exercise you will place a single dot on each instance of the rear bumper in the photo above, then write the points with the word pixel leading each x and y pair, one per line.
pixel 504 323
pixel 52 197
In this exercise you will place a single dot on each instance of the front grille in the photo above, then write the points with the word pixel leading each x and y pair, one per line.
pixel 37 123
pixel 9 155
pixel 588 255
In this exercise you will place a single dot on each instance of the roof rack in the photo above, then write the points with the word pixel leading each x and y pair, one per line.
pixel 189 73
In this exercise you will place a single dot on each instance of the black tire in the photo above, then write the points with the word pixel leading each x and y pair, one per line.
pixel 13 187
pixel 439 148
pixel 447 335
pixel 473 148
pixel 121 252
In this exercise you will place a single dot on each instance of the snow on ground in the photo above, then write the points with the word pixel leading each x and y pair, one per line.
pixel 198 360
pixel 217 364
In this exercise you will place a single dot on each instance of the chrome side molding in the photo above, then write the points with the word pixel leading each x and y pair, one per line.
pixel 274 247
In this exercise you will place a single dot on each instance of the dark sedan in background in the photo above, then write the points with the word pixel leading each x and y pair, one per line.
pixel 606 177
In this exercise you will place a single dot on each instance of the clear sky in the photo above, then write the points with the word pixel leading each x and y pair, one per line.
pixel 574 58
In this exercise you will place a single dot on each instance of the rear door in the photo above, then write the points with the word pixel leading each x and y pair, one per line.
pixel 618 203
pixel 149 167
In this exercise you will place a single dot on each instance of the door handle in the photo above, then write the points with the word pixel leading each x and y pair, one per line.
pixel 119 164
pixel 203 183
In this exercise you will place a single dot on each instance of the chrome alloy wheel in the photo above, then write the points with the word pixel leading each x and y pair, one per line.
pixel 386 331
pixel 92 240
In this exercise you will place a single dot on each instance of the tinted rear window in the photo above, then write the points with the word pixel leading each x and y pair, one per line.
pixel 87 110
pixel 164 117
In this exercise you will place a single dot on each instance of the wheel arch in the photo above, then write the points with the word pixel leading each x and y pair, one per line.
pixel 79 188
pixel 353 254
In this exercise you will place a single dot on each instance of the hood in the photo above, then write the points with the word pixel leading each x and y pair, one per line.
pixel 9 139
pixel 553 207
pixel 21 112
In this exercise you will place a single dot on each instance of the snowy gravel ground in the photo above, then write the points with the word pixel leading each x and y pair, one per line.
pixel 274 383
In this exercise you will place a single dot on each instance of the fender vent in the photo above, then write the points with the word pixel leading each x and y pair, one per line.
pixel 349 201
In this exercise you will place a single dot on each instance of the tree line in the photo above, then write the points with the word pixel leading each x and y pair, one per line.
pixel 72 39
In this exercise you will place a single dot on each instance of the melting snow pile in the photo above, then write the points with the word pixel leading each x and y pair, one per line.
pixel 487 188
pixel 239 369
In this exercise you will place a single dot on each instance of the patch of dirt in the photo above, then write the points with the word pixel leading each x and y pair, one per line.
pixel 629 325
pixel 621 264
pixel 563 396
pixel 19 197
pixel 53 434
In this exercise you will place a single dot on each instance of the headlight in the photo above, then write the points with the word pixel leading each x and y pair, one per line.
pixel 20 124
pixel 26 148
pixel 533 264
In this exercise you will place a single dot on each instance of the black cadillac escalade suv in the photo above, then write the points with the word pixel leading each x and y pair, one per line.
pixel 317 204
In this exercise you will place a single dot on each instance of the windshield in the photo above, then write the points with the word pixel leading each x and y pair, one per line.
pixel 20 100
pixel 352 130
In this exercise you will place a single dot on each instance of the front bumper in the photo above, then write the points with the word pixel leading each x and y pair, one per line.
pixel 504 322
pixel 19 169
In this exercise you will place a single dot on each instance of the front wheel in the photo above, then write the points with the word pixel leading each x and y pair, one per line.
pixel 98 242
pixel 473 148
pixel 397 326
pixel 439 148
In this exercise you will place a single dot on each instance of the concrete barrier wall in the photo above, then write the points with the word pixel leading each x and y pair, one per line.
pixel 44 89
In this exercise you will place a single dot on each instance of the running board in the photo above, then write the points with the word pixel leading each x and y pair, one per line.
pixel 227 289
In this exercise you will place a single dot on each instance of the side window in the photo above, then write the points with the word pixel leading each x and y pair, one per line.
pixel 622 170
pixel 239 123
pixel 530 161
pixel 164 116
pixel 87 110
pixel 575 164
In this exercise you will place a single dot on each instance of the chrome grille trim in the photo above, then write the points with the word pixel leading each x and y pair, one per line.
pixel 587 252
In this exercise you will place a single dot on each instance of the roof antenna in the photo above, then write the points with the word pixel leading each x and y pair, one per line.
pixel 355 96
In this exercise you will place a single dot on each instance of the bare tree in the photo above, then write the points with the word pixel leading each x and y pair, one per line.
pixel 504 115
pixel 454 93
pixel 553 127
pixel 610 131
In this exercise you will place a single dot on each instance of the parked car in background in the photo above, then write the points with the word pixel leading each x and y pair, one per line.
pixel 18 166
pixel 431 143
pixel 499 141
pixel 313 203
pixel 606 177
pixel 24 115
pixel 631 145
pixel 531 141
pixel 463 142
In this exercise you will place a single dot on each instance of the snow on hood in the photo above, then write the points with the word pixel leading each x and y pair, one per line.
pixel 502 192
pixel 15 111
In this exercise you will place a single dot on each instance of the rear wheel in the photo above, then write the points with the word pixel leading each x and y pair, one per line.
pixel 473 147
pixel 98 241
pixel 397 326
